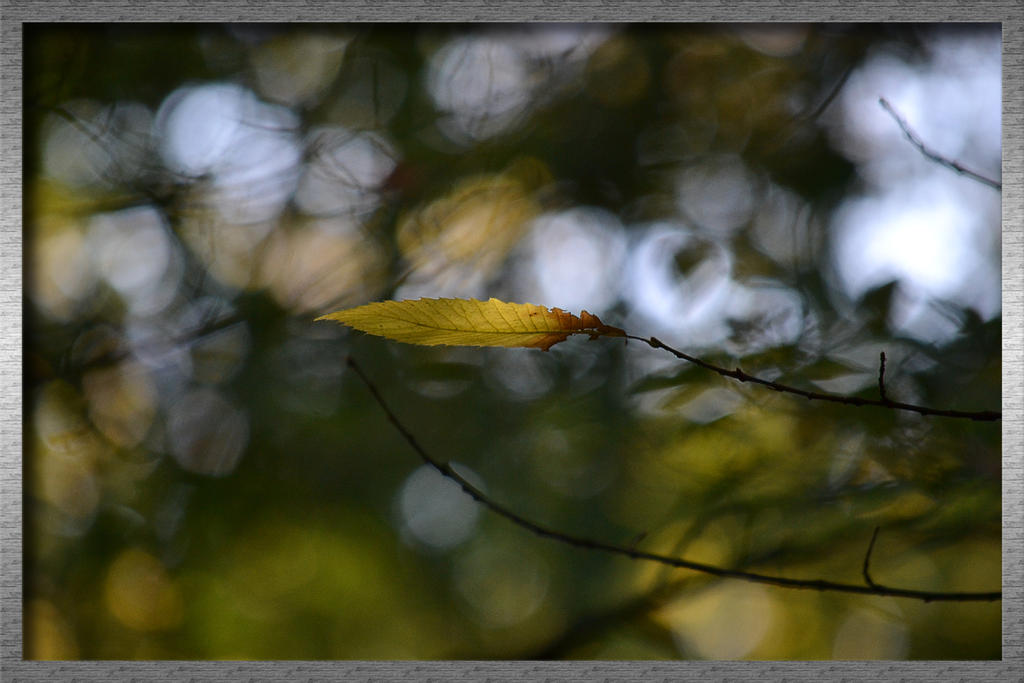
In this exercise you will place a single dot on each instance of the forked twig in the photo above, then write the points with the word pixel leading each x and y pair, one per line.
pixel 677 562
pixel 739 375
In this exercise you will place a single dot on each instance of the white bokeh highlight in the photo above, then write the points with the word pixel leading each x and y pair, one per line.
pixel 435 511
pixel 247 150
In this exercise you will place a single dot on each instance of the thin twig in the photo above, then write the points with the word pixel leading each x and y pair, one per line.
pixel 881 377
pixel 680 563
pixel 865 570
pixel 935 156
pixel 739 375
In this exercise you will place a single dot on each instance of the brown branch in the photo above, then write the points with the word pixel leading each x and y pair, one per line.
pixel 739 375
pixel 677 562
pixel 935 156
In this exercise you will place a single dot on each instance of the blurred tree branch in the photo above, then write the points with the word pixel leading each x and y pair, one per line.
pixel 589 627
pixel 680 563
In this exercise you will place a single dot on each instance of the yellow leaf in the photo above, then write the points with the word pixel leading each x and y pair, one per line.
pixel 468 322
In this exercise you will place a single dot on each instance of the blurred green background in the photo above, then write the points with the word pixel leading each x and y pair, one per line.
pixel 205 480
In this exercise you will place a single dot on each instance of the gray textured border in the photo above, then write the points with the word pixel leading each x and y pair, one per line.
pixel 13 13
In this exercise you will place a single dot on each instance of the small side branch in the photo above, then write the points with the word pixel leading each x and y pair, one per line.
pixel 866 569
pixel 740 376
pixel 935 156
pixel 633 553
pixel 881 377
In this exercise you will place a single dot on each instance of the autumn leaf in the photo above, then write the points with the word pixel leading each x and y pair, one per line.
pixel 468 322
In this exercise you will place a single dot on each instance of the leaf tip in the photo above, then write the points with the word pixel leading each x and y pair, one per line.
pixel 590 320
pixel 329 316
